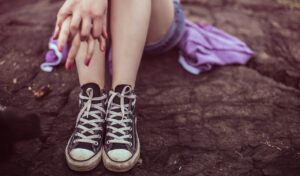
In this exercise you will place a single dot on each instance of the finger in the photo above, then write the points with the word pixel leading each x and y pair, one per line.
pixel 56 32
pixel 102 42
pixel 64 34
pixel 97 27
pixel 75 23
pixel 73 52
pixel 104 27
pixel 86 28
pixel 90 51
pixel 62 14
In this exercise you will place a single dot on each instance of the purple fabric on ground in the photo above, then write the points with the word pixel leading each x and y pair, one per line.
pixel 54 57
pixel 204 46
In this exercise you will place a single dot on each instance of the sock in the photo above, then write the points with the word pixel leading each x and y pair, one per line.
pixel 96 89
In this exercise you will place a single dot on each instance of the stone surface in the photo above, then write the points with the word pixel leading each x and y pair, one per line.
pixel 234 120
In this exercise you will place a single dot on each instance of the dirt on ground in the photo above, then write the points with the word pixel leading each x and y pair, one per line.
pixel 232 121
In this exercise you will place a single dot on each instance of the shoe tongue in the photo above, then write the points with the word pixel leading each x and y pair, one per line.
pixel 127 89
pixel 96 93
pixel 94 86
pixel 119 89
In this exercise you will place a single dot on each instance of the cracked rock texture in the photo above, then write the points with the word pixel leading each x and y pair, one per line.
pixel 232 121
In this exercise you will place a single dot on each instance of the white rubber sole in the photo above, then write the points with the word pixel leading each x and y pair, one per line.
pixel 83 166
pixel 121 166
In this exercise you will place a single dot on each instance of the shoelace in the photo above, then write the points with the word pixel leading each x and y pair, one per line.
pixel 114 111
pixel 90 117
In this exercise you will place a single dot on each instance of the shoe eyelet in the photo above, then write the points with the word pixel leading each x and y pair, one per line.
pixel 130 136
pixel 130 144
pixel 107 142
pixel 96 143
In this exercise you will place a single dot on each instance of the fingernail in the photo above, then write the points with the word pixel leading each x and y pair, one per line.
pixel 87 61
pixel 61 48
pixel 54 33
pixel 69 66
pixel 54 37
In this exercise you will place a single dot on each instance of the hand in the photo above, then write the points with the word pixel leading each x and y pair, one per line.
pixel 90 14
pixel 63 38
pixel 74 51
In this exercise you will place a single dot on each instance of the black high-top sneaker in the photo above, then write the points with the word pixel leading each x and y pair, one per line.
pixel 83 151
pixel 122 146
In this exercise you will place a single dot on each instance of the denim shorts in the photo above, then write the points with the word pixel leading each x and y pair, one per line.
pixel 172 37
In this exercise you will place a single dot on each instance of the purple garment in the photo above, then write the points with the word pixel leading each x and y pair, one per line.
pixel 204 46
pixel 201 47
pixel 54 57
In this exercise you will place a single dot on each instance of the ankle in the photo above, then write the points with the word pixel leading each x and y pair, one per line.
pixel 115 84
pixel 99 84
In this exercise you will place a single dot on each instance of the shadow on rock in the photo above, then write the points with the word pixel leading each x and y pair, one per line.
pixel 16 125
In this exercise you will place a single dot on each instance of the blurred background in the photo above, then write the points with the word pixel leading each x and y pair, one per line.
pixel 233 120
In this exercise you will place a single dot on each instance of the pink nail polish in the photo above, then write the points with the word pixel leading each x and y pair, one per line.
pixel 53 35
pixel 61 48
pixel 69 66
pixel 87 61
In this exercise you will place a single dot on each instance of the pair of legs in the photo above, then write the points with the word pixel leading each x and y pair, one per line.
pixel 134 24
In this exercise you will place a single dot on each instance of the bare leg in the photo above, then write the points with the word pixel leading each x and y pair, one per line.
pixel 129 40
pixel 95 72
pixel 129 26
pixel 82 151
pixel 130 22
pixel 162 15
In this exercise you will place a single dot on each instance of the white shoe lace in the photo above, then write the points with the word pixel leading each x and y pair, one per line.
pixel 90 117
pixel 114 111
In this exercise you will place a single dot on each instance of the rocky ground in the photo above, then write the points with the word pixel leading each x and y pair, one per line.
pixel 232 121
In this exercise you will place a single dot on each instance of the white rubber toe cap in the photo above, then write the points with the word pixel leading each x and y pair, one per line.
pixel 119 155
pixel 81 154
